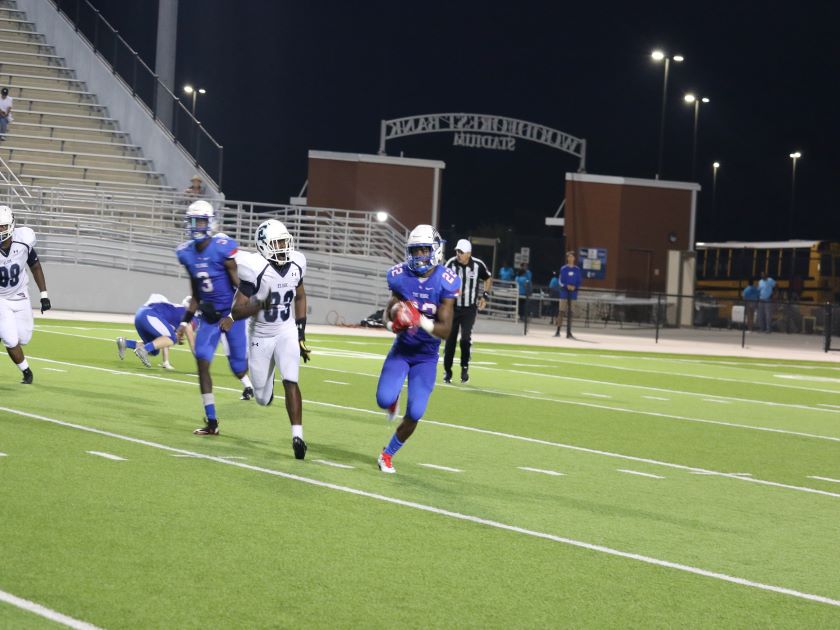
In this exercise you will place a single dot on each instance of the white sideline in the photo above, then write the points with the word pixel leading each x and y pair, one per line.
pixel 359 355
pixel 47 613
pixel 512 436
pixel 115 458
pixel 641 474
pixel 326 462
pixel 443 468
pixel 553 473
pixel 448 513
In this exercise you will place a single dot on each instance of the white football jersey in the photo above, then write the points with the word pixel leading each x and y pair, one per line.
pixel 14 271
pixel 281 286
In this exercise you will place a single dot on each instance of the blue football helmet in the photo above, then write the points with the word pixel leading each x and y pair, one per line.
pixel 200 221
pixel 423 236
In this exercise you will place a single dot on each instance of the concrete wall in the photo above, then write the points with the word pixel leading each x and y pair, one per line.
pixel 88 288
pixel 133 116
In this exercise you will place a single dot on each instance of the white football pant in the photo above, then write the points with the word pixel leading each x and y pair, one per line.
pixel 15 322
pixel 264 353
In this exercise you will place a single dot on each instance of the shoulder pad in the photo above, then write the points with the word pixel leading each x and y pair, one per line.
pixel 24 235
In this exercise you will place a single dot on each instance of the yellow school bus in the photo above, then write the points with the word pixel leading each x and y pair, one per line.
pixel 806 271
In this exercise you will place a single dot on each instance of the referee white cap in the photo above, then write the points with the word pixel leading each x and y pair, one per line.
pixel 463 246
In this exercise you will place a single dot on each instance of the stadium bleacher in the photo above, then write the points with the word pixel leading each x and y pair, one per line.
pixel 60 136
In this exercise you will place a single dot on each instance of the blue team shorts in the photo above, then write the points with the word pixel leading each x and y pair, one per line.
pixel 207 339
pixel 150 326
pixel 421 371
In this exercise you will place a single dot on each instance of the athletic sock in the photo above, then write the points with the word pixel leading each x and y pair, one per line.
pixel 246 382
pixel 209 407
pixel 150 347
pixel 297 431
pixel 394 445
pixel 130 344
pixel 23 365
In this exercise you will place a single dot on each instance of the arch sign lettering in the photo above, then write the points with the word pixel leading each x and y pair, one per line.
pixel 482 131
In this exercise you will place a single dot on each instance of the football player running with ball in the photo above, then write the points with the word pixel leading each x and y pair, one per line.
pixel 210 262
pixel 419 312
pixel 271 293
pixel 17 252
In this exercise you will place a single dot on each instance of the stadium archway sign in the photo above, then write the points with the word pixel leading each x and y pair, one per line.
pixel 483 131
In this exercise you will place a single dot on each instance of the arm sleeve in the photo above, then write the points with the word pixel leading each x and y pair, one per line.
pixel 247 288
pixel 33 257
pixel 484 272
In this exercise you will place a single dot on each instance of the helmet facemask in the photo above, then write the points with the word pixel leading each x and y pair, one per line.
pixel 199 222
pixel 274 242
pixel 423 237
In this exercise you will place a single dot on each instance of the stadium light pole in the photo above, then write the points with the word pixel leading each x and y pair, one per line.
pixel 188 89
pixel 715 167
pixel 693 100
pixel 658 55
pixel 794 158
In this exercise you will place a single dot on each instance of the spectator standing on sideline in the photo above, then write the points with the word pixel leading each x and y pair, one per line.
pixel 196 189
pixel 471 271
pixel 570 280
pixel 750 295
pixel 766 286
pixel 523 279
pixel 6 103
pixel 506 272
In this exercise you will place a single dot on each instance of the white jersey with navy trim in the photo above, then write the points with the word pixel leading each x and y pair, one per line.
pixel 280 285
pixel 14 267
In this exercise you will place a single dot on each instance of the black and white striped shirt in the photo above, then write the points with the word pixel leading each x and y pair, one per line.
pixel 472 276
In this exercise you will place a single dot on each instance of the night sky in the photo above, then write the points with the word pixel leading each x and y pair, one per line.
pixel 284 77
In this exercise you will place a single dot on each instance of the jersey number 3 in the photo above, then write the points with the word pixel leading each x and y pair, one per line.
pixel 278 307
pixel 9 277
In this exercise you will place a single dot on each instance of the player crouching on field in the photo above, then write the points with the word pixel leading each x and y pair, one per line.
pixel 270 286
pixel 420 312
pixel 17 246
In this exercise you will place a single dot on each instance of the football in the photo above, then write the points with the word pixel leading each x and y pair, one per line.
pixel 404 315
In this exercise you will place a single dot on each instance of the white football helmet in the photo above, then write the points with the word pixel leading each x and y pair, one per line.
pixel 7 222
pixel 274 242
pixel 200 221
pixel 424 236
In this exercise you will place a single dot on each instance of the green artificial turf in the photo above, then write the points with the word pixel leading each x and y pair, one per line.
pixel 249 537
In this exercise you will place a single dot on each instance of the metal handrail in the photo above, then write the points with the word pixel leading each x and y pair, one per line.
pixel 192 137
pixel 12 184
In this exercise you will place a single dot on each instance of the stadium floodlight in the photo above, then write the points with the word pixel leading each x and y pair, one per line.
pixel 692 99
pixel 659 55
pixel 794 158
pixel 188 89
pixel 382 216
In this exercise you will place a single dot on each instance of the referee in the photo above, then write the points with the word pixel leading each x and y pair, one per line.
pixel 471 271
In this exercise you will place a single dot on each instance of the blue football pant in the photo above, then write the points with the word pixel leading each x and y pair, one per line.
pixel 421 373
pixel 150 326
pixel 207 339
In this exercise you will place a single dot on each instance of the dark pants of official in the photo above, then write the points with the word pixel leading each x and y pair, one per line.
pixel 463 319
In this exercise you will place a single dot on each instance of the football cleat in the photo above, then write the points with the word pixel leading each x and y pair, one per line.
pixel 166 365
pixel 299 447
pixel 465 374
pixel 143 355
pixel 247 393
pixel 27 377
pixel 447 376
pixel 121 347
pixel 209 428
pixel 385 464
pixel 393 410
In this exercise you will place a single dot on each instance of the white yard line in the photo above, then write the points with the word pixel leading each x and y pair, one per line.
pixel 553 473
pixel 825 479
pixel 444 468
pixel 53 370
pixel 451 514
pixel 336 382
pixel 590 394
pixel 115 458
pixel 655 398
pixel 829 406
pixel 46 613
pixel 2 454
pixel 326 462
pixel 513 436
pixel 356 355
pixel 715 400
pixel 535 365
pixel 640 474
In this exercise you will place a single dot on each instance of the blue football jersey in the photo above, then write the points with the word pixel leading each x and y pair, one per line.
pixel 170 313
pixel 208 269
pixel 426 293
